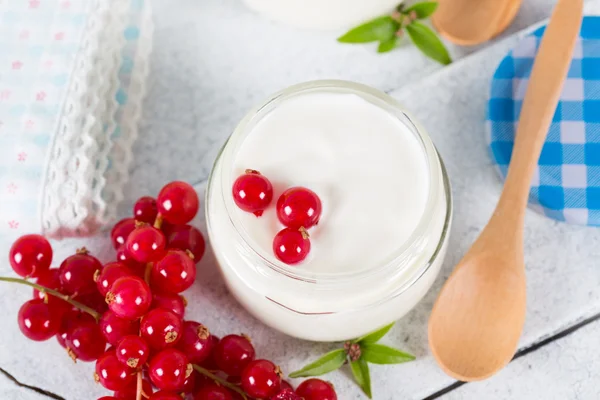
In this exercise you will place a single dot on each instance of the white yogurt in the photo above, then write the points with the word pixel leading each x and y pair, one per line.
pixel 386 211
pixel 367 168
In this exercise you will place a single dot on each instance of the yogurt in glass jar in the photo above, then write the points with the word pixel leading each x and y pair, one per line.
pixel 386 214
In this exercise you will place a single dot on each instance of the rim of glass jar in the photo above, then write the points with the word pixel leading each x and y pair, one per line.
pixel 366 92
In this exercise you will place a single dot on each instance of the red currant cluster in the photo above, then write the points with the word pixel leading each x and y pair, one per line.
pixel 134 307
pixel 298 209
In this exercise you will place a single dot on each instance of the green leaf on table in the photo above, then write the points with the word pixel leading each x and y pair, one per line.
pixel 360 370
pixel 329 362
pixel 379 29
pixel 374 336
pixel 387 45
pixel 427 41
pixel 423 9
pixel 381 354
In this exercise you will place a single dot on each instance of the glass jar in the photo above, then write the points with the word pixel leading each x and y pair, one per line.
pixel 327 306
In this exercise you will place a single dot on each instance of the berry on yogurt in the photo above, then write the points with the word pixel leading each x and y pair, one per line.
pixel 291 245
pixel 299 207
pixel 252 192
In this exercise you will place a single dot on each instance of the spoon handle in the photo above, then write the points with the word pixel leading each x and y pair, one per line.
pixel 541 99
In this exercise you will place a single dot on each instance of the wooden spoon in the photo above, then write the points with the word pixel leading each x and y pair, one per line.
pixel 471 22
pixel 478 317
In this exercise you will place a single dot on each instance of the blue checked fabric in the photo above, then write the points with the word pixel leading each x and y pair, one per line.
pixel 566 184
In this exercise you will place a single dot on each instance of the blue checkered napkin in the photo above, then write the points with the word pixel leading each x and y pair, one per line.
pixel 566 185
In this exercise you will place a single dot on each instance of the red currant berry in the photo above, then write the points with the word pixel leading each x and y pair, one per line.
pixel 316 389
pixel 163 395
pixel 210 363
pixel 186 237
pixel 30 255
pixel 286 394
pixel 233 353
pixel 235 395
pixel 195 342
pixel 201 380
pixel 58 306
pixel 213 392
pixel 111 373
pixel 37 321
pixel 299 207
pixel 77 273
pixel 178 202
pixel 109 274
pixel 93 300
pixel 189 386
pixel 146 244
pixel 252 192
pixel 129 297
pixel 71 320
pixel 130 392
pixel 107 398
pixel 133 351
pixel 115 328
pixel 291 245
pixel 135 267
pixel 175 272
pixel 167 227
pixel 145 210
pixel 161 328
pixel 286 385
pixel 120 232
pixel 85 342
pixel 169 301
pixel 49 279
pixel 169 369
pixel 261 379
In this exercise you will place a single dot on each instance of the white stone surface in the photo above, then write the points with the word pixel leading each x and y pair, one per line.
pixel 568 368
pixel 214 60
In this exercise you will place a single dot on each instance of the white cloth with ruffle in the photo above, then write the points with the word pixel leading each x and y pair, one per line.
pixel 72 79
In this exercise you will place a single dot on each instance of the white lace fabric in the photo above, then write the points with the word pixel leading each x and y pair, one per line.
pixel 90 150
pixel 128 117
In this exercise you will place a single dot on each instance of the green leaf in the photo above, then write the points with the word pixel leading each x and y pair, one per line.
pixel 423 9
pixel 360 370
pixel 387 45
pixel 374 336
pixel 379 29
pixel 329 362
pixel 428 42
pixel 380 354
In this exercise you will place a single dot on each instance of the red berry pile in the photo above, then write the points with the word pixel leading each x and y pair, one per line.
pixel 128 315
pixel 298 209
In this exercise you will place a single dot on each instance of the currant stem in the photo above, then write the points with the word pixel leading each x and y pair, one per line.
pixel 220 381
pixel 147 272
pixel 158 221
pixel 54 293
pixel 138 391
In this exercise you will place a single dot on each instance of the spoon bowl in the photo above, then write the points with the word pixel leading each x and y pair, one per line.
pixel 510 13
pixel 465 353
pixel 471 22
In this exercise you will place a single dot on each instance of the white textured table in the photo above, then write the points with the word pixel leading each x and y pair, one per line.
pixel 213 60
